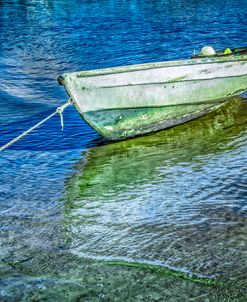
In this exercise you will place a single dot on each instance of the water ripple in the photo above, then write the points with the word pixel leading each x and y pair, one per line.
pixel 176 199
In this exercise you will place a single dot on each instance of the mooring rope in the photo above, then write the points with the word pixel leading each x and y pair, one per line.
pixel 59 111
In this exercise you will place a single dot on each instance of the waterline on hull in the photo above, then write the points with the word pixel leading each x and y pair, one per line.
pixel 117 124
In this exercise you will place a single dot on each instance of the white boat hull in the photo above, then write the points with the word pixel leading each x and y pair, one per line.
pixel 179 90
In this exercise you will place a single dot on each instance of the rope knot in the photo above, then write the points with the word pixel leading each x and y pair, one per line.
pixel 60 110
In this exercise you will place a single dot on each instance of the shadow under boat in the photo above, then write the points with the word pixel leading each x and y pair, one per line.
pixel 113 168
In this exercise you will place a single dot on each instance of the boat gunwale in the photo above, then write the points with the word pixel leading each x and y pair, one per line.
pixel 168 82
pixel 155 65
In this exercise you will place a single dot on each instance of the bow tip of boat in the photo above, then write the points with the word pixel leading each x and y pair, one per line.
pixel 60 80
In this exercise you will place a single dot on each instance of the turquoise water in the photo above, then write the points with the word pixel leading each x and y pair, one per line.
pixel 156 218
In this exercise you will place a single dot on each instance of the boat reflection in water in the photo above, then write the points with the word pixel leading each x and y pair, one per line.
pixel 175 198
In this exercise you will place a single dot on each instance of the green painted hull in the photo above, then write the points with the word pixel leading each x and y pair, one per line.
pixel 118 124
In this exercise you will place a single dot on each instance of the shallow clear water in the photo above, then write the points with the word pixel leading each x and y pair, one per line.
pixel 71 203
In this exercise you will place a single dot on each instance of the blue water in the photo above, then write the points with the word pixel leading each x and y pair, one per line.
pixel 70 201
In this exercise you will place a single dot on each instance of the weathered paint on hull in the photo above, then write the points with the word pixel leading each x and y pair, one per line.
pixel 117 124
pixel 161 94
pixel 195 99
pixel 128 101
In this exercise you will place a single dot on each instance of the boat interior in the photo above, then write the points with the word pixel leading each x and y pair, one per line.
pixel 222 53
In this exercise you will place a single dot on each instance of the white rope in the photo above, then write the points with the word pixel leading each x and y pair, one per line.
pixel 59 110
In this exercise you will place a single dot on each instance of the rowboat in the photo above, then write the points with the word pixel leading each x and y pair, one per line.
pixel 127 101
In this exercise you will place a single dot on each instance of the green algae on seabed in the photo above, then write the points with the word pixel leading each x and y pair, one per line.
pixel 162 270
pixel 65 277
pixel 18 266
pixel 94 178
pixel 75 288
